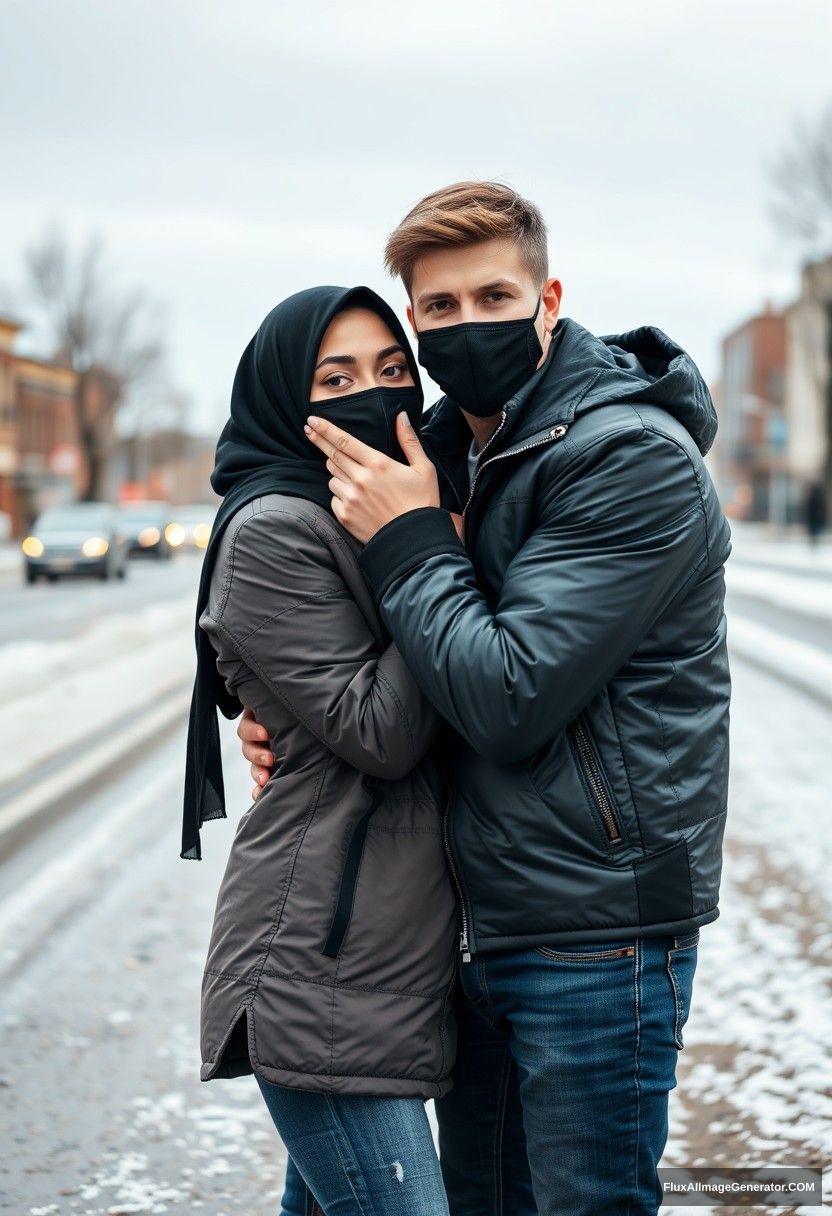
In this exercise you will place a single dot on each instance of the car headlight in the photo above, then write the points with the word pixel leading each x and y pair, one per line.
pixel 32 547
pixel 202 534
pixel 95 546
pixel 149 536
pixel 174 534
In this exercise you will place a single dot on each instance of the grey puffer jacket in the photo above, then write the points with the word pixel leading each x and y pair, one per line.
pixel 332 954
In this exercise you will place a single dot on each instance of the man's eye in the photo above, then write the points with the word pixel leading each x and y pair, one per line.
pixel 497 296
pixel 439 306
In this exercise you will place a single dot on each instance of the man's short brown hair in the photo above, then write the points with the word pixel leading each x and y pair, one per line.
pixel 463 214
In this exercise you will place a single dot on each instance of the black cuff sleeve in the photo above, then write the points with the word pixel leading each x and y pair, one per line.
pixel 404 542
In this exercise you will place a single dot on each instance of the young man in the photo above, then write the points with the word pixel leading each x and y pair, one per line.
pixel 566 617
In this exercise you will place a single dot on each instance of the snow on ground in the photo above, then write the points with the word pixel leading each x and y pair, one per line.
pixel 54 694
pixel 788 551
pixel 796 591
pixel 754 1078
pixel 796 660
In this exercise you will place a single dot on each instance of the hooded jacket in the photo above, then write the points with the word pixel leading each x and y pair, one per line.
pixel 576 645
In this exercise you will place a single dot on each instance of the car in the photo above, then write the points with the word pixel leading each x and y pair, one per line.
pixel 190 527
pixel 79 538
pixel 147 524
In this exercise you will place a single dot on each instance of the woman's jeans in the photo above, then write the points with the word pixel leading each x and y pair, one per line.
pixel 566 1058
pixel 358 1155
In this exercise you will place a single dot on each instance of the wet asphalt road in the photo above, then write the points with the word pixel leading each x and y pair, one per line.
pixel 49 611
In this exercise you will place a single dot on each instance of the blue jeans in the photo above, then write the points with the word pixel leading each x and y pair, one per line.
pixel 566 1058
pixel 357 1155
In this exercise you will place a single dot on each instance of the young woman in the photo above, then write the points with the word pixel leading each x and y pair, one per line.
pixel 332 953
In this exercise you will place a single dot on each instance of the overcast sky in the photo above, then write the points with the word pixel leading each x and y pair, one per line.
pixel 232 153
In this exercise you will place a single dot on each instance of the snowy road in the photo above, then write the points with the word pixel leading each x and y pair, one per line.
pixel 103 932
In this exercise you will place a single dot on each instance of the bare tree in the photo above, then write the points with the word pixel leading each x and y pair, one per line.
pixel 801 206
pixel 801 181
pixel 111 338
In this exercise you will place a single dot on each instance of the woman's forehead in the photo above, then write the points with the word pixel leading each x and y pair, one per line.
pixel 356 331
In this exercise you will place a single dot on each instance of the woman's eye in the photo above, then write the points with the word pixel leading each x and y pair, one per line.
pixel 393 372
pixel 337 380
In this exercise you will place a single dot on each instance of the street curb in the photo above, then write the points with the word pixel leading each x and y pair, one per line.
pixel 32 811
pixel 802 667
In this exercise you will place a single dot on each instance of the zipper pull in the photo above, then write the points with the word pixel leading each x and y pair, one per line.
pixel 463 945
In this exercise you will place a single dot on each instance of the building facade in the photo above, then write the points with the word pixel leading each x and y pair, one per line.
pixel 40 460
pixel 750 452
pixel 809 377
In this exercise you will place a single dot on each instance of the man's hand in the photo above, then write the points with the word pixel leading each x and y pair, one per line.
pixel 260 758
pixel 369 489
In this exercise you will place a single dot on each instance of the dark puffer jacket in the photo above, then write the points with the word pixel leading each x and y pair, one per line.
pixel 576 643
pixel 333 947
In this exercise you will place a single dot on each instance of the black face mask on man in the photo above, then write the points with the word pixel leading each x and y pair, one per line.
pixel 371 415
pixel 481 364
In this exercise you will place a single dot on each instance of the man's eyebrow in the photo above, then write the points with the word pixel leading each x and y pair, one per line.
pixel 498 285
pixel 426 297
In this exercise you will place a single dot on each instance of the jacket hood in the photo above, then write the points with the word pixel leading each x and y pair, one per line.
pixel 583 372
pixel 646 365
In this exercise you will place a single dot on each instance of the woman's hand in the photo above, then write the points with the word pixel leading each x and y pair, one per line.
pixel 370 489
pixel 261 758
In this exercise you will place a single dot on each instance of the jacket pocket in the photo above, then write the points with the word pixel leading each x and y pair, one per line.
pixel 596 786
pixel 349 877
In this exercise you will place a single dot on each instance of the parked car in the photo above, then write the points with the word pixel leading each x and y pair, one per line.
pixel 80 538
pixel 148 525
pixel 191 526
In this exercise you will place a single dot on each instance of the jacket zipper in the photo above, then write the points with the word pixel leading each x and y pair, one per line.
pixel 595 780
pixel 463 936
pixel 349 877
pixel 557 432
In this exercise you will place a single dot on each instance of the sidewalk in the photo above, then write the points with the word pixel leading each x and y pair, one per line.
pixel 88 702
pixel 784 574
pixel 759 545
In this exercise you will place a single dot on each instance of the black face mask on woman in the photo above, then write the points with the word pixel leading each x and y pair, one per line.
pixel 481 364
pixel 371 415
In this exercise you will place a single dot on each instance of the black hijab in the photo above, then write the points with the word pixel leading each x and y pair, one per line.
pixel 262 450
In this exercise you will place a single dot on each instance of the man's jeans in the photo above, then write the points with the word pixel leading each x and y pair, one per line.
pixel 565 1062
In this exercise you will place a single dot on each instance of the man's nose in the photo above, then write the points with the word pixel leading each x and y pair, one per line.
pixel 469 311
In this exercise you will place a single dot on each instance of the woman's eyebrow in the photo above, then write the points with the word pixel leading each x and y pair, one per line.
pixel 336 359
pixel 388 351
